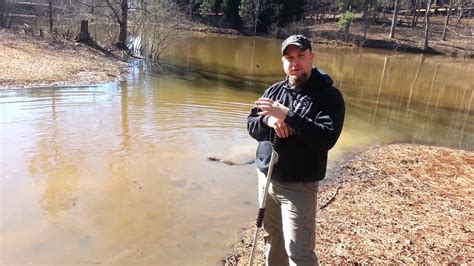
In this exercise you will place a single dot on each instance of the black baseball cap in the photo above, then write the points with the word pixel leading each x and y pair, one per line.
pixel 299 40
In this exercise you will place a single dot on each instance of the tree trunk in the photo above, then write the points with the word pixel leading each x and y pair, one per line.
pixel 50 6
pixel 418 5
pixel 447 20
pixel 366 22
pixel 414 13
pixel 84 36
pixel 255 21
pixel 122 42
pixel 191 7
pixel 2 18
pixel 346 30
pixel 460 3
pixel 427 24
pixel 394 19
pixel 257 11
pixel 312 10
pixel 10 22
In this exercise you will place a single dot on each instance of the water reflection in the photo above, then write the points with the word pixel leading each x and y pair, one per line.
pixel 118 173
pixel 55 164
pixel 403 97
pixel 426 112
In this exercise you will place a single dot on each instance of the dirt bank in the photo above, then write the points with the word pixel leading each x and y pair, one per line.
pixel 399 204
pixel 27 61
pixel 458 43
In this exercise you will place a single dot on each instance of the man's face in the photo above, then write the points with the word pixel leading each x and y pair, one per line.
pixel 297 64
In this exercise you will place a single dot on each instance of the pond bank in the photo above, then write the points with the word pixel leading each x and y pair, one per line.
pixel 27 61
pixel 400 203
pixel 407 39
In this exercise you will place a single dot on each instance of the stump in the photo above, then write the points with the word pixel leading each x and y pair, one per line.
pixel 84 36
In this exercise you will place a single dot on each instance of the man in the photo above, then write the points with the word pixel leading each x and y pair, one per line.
pixel 306 114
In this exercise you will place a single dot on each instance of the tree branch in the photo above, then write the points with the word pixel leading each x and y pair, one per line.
pixel 331 199
pixel 115 12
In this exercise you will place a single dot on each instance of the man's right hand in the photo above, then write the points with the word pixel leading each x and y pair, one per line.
pixel 282 129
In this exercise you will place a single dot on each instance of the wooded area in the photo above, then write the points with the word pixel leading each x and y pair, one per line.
pixel 276 18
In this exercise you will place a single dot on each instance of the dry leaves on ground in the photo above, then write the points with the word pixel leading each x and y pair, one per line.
pixel 27 61
pixel 397 204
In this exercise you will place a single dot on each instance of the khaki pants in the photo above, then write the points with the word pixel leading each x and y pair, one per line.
pixel 290 214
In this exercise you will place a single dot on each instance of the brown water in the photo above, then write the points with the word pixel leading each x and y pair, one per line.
pixel 117 173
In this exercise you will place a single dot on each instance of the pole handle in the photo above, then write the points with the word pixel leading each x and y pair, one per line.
pixel 276 140
pixel 260 215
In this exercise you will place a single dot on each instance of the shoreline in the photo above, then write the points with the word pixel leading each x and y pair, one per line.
pixel 57 62
pixel 406 39
pixel 399 203
pixel 71 63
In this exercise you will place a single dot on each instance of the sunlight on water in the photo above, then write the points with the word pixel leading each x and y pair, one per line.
pixel 117 173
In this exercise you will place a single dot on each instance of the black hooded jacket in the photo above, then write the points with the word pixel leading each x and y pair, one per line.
pixel 316 115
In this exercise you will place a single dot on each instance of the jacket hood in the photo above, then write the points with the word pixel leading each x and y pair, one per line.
pixel 318 79
pixel 325 76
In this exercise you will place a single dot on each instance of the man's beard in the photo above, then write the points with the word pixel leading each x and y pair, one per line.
pixel 297 80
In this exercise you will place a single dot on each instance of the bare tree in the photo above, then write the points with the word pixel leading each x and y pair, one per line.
pixel 460 5
pixel 6 8
pixel 312 8
pixel 50 9
pixel 258 9
pixel 121 15
pixel 252 10
pixel 394 19
pixel 368 15
pixel 427 24
pixel 414 8
pixel 447 19
pixel 190 8
pixel 161 28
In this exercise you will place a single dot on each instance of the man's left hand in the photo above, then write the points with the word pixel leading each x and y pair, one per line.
pixel 271 107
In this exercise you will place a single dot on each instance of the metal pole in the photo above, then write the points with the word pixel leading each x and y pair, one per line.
pixel 261 210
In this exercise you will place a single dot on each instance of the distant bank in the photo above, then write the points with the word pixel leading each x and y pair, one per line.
pixel 459 43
